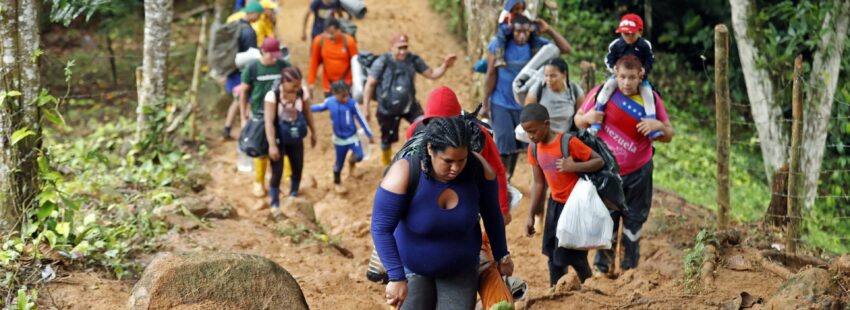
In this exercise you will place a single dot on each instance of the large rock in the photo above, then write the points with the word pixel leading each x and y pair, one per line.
pixel 215 280
pixel 808 289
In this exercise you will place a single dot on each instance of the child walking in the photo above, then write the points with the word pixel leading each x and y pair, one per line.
pixel 630 42
pixel 550 164
pixel 343 110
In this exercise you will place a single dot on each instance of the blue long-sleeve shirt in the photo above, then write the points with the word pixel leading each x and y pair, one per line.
pixel 415 233
pixel 642 49
pixel 343 116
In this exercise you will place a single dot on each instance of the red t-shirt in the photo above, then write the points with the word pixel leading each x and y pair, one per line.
pixel 619 128
pixel 561 184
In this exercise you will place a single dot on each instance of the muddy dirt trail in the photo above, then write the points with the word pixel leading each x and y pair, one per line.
pixel 332 281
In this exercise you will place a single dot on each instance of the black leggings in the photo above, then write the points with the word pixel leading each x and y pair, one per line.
pixel 295 152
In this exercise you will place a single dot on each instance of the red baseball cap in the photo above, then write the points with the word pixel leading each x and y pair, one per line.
pixel 442 102
pixel 630 23
pixel 271 46
pixel 399 40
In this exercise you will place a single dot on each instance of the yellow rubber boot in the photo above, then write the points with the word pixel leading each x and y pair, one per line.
pixel 386 157
pixel 260 165
pixel 287 168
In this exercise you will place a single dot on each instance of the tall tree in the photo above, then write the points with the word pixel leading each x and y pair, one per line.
pixel 20 129
pixel 767 112
pixel 158 15
pixel 821 95
pixel 766 102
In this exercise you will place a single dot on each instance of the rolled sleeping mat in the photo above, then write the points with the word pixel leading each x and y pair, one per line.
pixel 246 57
pixel 524 82
pixel 356 8
pixel 543 55
pixel 358 79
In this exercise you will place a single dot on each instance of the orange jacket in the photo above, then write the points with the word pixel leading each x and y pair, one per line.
pixel 333 57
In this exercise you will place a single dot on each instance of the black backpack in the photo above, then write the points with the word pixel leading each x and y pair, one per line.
pixel 607 180
pixel 396 93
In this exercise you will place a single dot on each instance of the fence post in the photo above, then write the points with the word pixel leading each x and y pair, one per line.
pixel 588 75
pixel 196 77
pixel 794 173
pixel 721 99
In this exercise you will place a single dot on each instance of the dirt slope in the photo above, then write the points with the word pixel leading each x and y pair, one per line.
pixel 331 281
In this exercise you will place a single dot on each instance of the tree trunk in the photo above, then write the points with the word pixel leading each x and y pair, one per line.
pixel 767 114
pixel 158 14
pixel 18 73
pixel 481 18
pixel 821 94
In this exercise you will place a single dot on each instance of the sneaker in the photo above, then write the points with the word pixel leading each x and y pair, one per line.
pixel 339 189
pixel 275 212
pixel 259 190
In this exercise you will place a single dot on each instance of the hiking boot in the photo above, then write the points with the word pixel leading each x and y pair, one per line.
pixel 499 61
pixel 226 133
pixel 259 190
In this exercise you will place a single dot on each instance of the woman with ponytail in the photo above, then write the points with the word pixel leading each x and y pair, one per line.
pixel 287 122
pixel 557 94
pixel 429 239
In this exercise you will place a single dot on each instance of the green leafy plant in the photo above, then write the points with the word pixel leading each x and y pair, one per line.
pixel 693 260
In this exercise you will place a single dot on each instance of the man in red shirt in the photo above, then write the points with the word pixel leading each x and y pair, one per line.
pixel 332 50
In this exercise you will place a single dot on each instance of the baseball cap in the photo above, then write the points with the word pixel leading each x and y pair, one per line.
pixel 630 23
pixel 271 46
pixel 268 4
pixel 253 7
pixel 400 40
pixel 442 102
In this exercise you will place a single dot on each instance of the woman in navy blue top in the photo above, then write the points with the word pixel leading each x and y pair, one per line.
pixel 429 240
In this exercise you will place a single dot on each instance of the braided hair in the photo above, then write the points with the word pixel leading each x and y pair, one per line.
pixel 445 132
pixel 288 75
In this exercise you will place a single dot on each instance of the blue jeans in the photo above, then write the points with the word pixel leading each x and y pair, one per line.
pixel 342 151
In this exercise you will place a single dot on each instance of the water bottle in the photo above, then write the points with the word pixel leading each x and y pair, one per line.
pixel 243 162
pixel 594 128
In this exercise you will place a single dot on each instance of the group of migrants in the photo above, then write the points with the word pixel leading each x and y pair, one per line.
pixel 453 172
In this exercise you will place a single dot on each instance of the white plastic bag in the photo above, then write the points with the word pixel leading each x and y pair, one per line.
pixel 521 135
pixel 585 222
pixel 364 143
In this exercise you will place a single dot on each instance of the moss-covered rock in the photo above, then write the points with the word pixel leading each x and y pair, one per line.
pixel 227 281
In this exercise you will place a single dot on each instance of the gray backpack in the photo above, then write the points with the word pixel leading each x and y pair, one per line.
pixel 395 93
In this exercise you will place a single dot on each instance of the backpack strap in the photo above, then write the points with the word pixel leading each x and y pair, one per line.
pixel 565 144
pixel 565 147
pixel 414 164
pixel 252 72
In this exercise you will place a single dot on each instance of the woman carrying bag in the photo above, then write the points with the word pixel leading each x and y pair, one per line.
pixel 286 124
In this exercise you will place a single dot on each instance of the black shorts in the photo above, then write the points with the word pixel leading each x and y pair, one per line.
pixel 389 123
